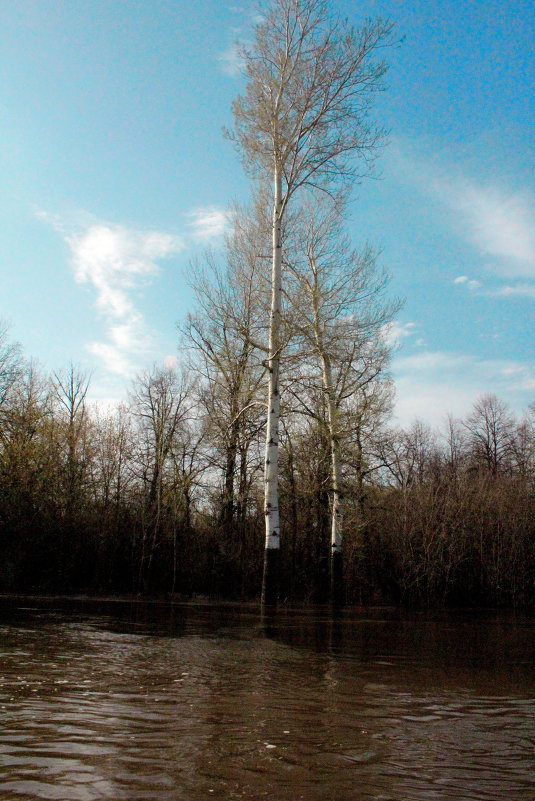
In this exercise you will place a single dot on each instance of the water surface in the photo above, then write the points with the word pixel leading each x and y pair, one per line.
pixel 162 702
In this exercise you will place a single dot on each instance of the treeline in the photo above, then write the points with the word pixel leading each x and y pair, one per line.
pixel 164 495
pixel 266 457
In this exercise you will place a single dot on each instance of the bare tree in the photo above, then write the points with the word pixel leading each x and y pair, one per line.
pixel 489 427
pixel 455 446
pixel 29 474
pixel 522 445
pixel 113 453
pixel 408 455
pixel 160 401
pixel 305 114
pixel 222 336
pixel 339 312
pixel 11 365
pixel 69 392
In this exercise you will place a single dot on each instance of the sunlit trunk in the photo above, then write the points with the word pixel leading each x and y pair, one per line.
pixel 271 471
pixel 335 556
pixel 336 567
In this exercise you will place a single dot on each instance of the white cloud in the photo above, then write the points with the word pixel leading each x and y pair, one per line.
pixel 430 401
pixel 516 290
pixel 230 60
pixel 208 222
pixel 394 333
pixel 431 360
pixel 500 224
pixel 116 262
pixel 470 283
pixel 498 221
pixel 433 384
pixel 114 360
pixel 170 361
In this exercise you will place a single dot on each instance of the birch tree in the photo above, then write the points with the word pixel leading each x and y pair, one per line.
pixel 339 313
pixel 304 116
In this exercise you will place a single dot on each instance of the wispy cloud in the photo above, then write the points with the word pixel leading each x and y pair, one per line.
pixel 208 222
pixel 470 283
pixel 116 262
pixel 500 224
pixel 113 359
pixel 431 361
pixel 231 60
pixel 394 333
pixel 513 291
pixel 498 221
pixel 432 384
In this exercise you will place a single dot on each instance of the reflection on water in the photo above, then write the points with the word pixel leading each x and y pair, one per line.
pixel 155 702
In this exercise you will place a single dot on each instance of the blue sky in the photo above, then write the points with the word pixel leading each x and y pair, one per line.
pixel 115 175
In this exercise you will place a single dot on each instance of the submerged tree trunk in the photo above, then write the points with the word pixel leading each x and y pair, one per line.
pixel 336 552
pixel 304 115
pixel 270 579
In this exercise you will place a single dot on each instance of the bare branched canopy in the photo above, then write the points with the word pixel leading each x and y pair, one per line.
pixel 311 83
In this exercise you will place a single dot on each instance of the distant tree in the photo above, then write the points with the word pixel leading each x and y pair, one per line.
pixel 73 439
pixel 408 455
pixel 11 365
pixel 160 402
pixel 311 80
pixel 489 427
pixel 69 391
pixel 522 446
pixel 28 483
pixel 454 439
pixel 113 497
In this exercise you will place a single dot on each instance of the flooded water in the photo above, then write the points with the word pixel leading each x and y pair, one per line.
pixel 183 702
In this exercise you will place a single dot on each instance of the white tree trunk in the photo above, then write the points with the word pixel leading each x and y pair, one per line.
pixel 332 420
pixel 334 440
pixel 336 571
pixel 336 555
pixel 271 471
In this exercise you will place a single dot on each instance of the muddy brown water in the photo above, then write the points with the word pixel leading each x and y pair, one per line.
pixel 185 702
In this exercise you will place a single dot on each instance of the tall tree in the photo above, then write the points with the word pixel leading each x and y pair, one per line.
pixel 339 313
pixel 311 79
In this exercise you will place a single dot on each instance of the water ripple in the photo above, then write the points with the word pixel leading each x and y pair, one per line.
pixel 90 712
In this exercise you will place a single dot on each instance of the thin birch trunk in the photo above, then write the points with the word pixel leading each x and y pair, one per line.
pixel 271 471
pixel 336 552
